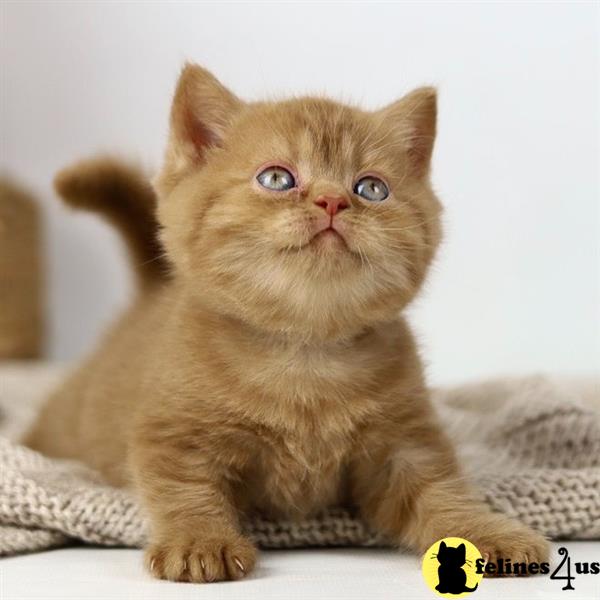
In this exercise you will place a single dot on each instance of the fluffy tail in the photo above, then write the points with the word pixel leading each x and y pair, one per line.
pixel 124 197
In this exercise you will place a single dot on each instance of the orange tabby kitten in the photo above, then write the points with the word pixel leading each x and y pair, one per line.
pixel 270 370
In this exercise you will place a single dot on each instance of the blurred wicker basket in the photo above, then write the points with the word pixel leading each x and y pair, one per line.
pixel 21 312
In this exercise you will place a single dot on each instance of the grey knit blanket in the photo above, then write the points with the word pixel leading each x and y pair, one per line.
pixel 530 445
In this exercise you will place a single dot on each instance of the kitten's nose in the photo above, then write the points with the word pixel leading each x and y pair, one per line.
pixel 332 204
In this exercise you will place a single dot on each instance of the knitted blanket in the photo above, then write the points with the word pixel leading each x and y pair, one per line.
pixel 531 446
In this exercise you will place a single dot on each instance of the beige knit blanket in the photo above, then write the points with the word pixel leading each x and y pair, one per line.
pixel 530 445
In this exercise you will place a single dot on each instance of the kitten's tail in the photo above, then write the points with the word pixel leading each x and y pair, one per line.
pixel 123 196
pixel 466 589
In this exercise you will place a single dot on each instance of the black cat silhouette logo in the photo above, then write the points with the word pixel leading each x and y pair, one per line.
pixel 453 579
pixel 449 567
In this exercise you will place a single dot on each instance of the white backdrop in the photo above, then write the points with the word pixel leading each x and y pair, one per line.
pixel 517 286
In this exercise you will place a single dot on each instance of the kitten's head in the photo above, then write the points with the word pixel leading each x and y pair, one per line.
pixel 450 556
pixel 305 216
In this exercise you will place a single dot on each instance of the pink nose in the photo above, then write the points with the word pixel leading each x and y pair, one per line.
pixel 332 204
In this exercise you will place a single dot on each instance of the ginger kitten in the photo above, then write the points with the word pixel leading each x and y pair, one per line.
pixel 268 370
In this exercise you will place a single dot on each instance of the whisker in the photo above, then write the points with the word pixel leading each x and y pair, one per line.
pixel 158 257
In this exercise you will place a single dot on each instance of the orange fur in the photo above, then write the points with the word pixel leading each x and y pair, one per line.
pixel 271 372
pixel 122 194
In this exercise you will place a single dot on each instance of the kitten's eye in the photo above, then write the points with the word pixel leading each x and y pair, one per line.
pixel 277 179
pixel 371 188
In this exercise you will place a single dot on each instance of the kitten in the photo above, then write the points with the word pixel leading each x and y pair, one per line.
pixel 269 370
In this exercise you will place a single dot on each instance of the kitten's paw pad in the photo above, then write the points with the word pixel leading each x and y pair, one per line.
pixel 201 561
pixel 522 545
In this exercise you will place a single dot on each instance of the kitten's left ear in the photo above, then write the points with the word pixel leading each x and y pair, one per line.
pixel 412 119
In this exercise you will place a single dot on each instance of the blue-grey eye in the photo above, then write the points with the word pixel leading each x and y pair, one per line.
pixel 277 179
pixel 372 189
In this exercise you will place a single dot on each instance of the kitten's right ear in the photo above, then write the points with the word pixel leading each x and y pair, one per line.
pixel 202 110
pixel 442 546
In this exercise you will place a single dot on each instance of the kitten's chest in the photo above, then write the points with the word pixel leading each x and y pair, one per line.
pixel 301 473
pixel 303 377
pixel 310 403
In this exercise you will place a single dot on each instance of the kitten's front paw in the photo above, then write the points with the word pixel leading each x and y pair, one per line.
pixel 201 560
pixel 516 542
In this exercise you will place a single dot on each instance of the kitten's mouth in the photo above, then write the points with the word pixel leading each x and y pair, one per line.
pixel 329 235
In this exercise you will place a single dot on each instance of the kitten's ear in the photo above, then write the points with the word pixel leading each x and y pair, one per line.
pixel 412 119
pixel 462 549
pixel 202 110
pixel 442 546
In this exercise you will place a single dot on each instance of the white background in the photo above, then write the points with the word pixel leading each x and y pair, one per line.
pixel 517 285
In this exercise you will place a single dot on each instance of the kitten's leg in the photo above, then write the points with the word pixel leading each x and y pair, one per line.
pixel 410 487
pixel 195 534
